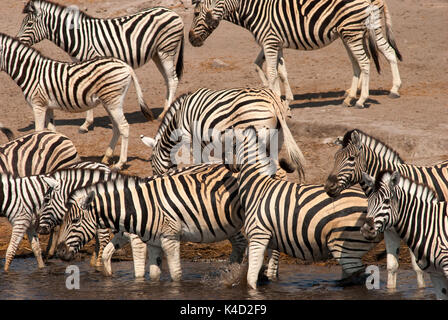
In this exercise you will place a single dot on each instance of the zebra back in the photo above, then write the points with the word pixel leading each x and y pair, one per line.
pixel 37 153
pixel 134 38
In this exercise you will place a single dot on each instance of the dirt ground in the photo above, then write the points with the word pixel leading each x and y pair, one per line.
pixel 414 125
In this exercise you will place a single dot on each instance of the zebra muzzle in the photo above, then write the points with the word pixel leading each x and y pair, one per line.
pixel 64 253
pixel 368 229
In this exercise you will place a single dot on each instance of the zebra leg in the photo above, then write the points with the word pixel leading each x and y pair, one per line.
pixel 273 257
pixel 155 262
pixel 392 242
pixel 171 246
pixel 239 244
pixel 418 272
pixel 356 81
pixel 390 55
pixel 139 249
pixel 18 231
pixel 440 283
pixel 118 241
pixel 52 242
pixel 271 55
pixel 283 74
pixel 35 246
pixel 259 68
pixel 102 239
pixel 49 120
pixel 166 65
pixel 120 128
pixel 39 117
pixel 84 128
pixel 257 248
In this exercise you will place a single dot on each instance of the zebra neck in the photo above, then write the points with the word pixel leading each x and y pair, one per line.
pixel 250 179
pixel 247 14
pixel 379 158
pixel 21 62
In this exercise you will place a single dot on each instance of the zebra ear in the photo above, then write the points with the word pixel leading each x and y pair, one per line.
pixel 31 8
pixel 88 200
pixel 195 2
pixel 150 142
pixel 394 179
pixel 338 141
pixel 356 140
pixel 51 182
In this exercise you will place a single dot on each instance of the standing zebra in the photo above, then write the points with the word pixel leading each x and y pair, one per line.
pixel 363 153
pixel 420 220
pixel 155 33
pixel 305 25
pixel 299 220
pixel 197 116
pixel 198 204
pixel 72 87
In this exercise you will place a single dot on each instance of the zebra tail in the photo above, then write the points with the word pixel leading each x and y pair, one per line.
pixel 373 48
pixel 294 153
pixel 389 34
pixel 180 60
pixel 143 106
pixel 7 132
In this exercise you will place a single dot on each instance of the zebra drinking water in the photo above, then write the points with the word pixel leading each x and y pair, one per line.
pixel 306 25
pixel 72 87
pixel 360 153
pixel 417 216
pixel 155 33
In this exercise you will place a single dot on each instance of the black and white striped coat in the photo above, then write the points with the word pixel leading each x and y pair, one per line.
pixel 417 216
pixel 198 204
pixel 34 153
pixel 72 87
pixel 194 116
pixel 299 220
pixel 305 25
pixel 154 33
pixel 360 153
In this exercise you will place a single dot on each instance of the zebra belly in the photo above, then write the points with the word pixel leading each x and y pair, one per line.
pixel 194 235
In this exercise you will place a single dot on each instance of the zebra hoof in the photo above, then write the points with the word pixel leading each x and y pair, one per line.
pixel 394 95
pixel 359 106
pixel 345 105
pixel 83 130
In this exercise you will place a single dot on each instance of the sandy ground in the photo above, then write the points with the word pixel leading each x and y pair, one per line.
pixel 415 124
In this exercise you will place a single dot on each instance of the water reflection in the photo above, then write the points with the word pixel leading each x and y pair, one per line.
pixel 201 280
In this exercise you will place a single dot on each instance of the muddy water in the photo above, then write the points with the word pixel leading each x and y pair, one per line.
pixel 201 280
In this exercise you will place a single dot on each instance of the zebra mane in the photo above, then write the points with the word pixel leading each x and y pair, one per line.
pixel 169 115
pixel 371 143
pixel 409 186
pixel 29 8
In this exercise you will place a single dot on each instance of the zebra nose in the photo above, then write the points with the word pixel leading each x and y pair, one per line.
pixel 64 252
pixel 194 39
pixel 368 229
pixel 331 186
pixel 43 230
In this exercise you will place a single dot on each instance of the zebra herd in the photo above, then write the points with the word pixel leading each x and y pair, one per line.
pixel 246 198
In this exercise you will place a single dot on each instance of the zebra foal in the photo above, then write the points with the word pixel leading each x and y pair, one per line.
pixel 362 153
pixel 306 25
pixel 417 216
pixel 154 33
pixel 297 219
pixel 72 87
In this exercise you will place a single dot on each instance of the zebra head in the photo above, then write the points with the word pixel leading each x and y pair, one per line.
pixel 207 15
pixel 349 163
pixel 79 224
pixel 382 207
pixel 33 28
pixel 53 208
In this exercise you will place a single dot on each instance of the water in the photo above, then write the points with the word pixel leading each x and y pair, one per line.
pixel 201 281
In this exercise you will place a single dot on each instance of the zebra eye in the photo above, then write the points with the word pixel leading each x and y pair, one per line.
pixel 76 220
pixel 30 23
pixel 351 158
pixel 386 202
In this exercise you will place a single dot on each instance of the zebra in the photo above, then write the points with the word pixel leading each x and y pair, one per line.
pixel 154 33
pixel 195 115
pixel 72 87
pixel 418 217
pixel 300 220
pixel 21 198
pixel 34 153
pixel 361 152
pixel 306 25
pixel 199 203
